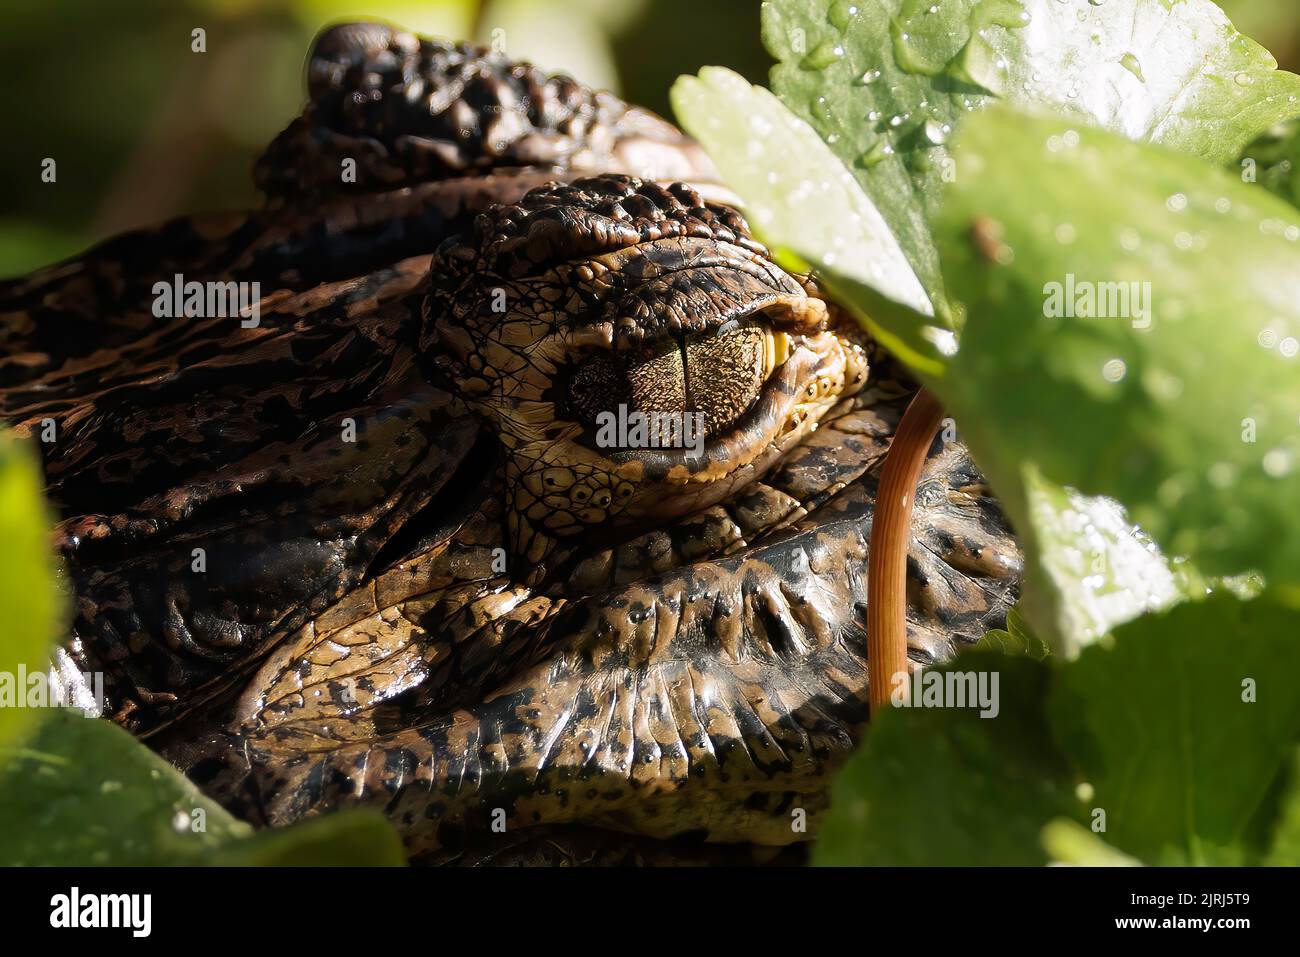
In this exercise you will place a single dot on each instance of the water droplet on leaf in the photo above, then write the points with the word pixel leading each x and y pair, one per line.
pixel 1131 63
pixel 841 14
pixel 876 154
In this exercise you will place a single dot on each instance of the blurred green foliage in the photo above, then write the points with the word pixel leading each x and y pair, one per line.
pixel 84 792
pixel 142 128
pixel 29 599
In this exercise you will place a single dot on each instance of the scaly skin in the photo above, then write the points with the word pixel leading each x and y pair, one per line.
pixel 476 614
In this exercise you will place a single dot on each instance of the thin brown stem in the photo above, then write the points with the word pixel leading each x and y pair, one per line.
pixel 891 533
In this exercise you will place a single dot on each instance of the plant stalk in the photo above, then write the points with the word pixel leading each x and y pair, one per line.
pixel 891 534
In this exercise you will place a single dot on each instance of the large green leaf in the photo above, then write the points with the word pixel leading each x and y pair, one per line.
pixel 84 792
pixel 1171 742
pixel 885 81
pixel 1184 404
pixel 355 838
pixel 946 786
pixel 29 602
pixel 1182 723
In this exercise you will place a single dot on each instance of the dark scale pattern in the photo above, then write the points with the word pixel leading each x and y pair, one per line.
pixel 599 384
pixel 568 221
pixel 408 108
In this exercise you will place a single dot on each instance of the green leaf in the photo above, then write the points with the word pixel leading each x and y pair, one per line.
pixel 84 792
pixel 945 786
pixel 1184 404
pixel 1069 842
pixel 1162 723
pixel 803 203
pixel 1015 639
pixel 837 71
pixel 29 601
pixel 885 81
pixel 358 838
pixel 1182 728
pixel 1272 161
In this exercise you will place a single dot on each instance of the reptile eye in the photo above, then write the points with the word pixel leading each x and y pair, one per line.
pixel 650 381
pixel 716 375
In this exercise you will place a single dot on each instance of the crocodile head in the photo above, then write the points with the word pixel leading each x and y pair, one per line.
pixel 661 634
pixel 637 353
